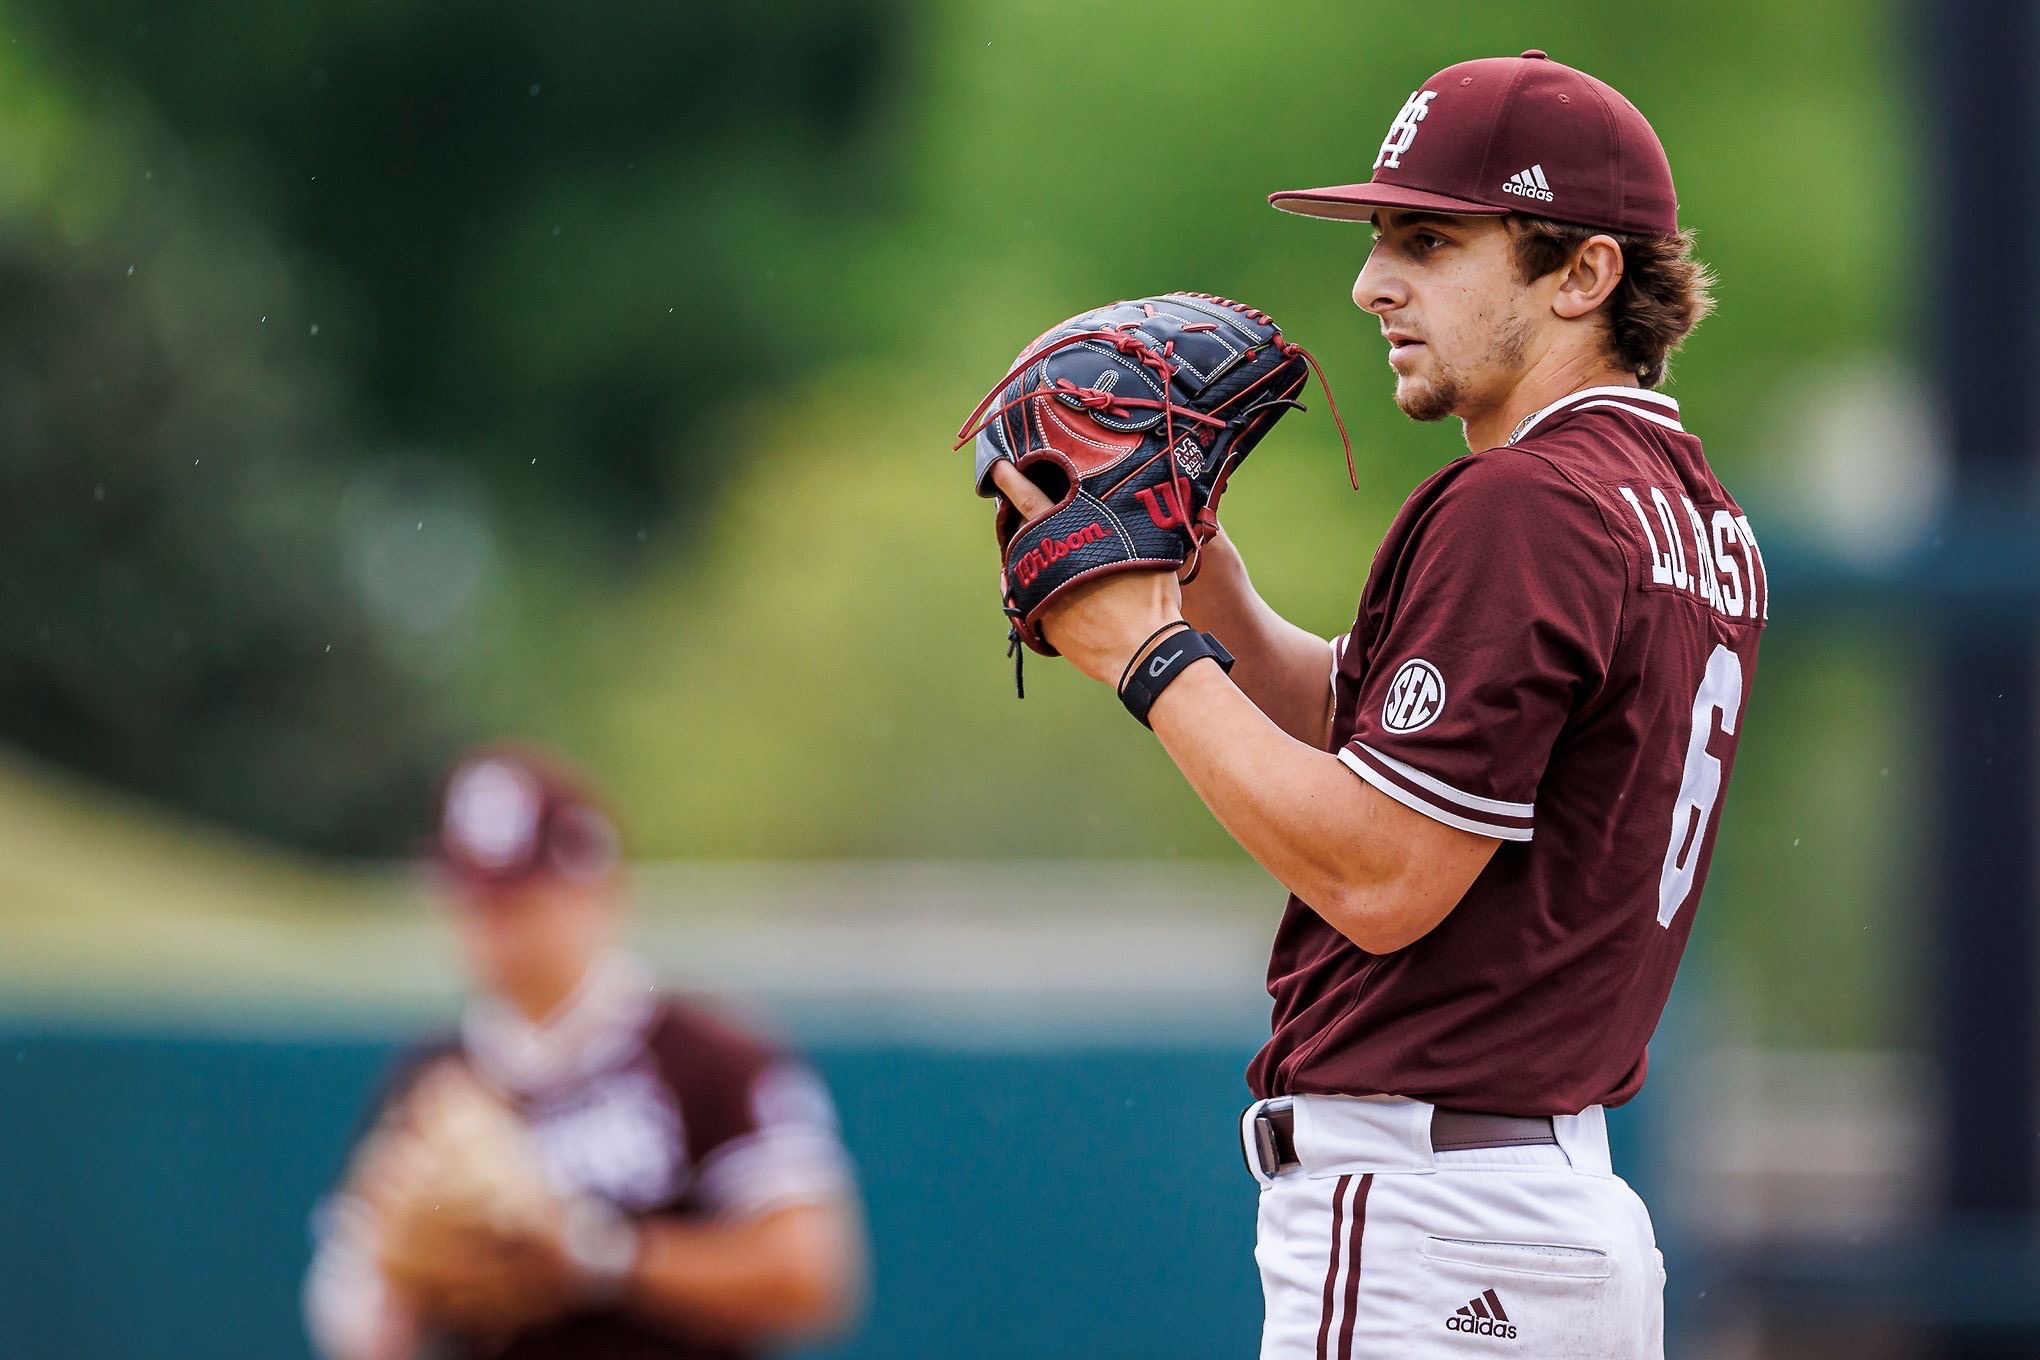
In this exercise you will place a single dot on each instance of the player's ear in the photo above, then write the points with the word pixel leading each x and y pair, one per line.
pixel 1595 269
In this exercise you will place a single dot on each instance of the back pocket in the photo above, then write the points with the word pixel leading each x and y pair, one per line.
pixel 1528 1258
pixel 1554 1300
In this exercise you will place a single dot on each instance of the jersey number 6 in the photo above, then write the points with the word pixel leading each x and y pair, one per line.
pixel 1721 691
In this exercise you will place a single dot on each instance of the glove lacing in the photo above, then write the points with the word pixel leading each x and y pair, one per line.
pixel 1125 338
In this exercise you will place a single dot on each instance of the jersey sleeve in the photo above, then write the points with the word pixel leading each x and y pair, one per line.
pixel 1505 613
pixel 344 1297
pixel 761 1129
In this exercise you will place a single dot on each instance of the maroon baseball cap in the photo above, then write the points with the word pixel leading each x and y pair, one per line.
pixel 1513 134
pixel 509 814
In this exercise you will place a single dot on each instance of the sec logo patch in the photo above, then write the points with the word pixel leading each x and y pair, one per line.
pixel 1415 697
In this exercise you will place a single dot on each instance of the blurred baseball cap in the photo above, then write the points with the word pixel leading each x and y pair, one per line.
pixel 1513 134
pixel 509 815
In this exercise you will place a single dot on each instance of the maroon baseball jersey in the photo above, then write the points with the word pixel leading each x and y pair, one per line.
pixel 1553 648
pixel 658 1108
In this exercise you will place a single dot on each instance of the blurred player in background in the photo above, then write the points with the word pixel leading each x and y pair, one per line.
pixel 590 1168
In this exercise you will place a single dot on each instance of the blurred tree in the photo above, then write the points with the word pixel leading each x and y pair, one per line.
pixel 176 616
pixel 535 231
pixel 272 250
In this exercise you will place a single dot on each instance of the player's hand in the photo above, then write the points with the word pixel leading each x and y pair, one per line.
pixel 467 1229
pixel 481 1269
pixel 1098 624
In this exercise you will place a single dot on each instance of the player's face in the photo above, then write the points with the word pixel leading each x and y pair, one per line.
pixel 533 938
pixel 1453 308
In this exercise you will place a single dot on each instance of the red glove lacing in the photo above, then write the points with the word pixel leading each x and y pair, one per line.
pixel 1125 338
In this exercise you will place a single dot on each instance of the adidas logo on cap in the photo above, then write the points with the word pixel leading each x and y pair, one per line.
pixel 1528 184
pixel 1483 1317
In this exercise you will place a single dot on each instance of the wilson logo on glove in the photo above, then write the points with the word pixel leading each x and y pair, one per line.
pixel 1039 558
pixel 1144 407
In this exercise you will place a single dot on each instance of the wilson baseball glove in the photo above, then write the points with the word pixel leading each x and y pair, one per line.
pixel 1132 418
pixel 466 1228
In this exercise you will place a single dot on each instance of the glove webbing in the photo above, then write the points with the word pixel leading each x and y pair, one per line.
pixel 1126 339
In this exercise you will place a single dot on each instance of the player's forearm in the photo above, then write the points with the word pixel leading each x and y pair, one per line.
pixel 1295 809
pixel 790 1273
pixel 1284 669
pixel 1376 871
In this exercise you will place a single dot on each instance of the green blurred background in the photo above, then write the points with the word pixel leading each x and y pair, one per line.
pixel 381 376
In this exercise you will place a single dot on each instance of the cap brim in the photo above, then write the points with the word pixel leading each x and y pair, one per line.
pixel 1358 202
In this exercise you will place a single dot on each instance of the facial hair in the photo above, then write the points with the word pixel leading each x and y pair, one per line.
pixel 1443 395
pixel 1433 400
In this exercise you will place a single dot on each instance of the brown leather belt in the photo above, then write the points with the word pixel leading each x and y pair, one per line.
pixel 1451 1131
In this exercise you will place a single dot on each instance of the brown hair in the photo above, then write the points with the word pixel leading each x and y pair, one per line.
pixel 1662 295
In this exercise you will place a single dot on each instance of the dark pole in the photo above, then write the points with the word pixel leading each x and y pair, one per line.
pixel 1981 228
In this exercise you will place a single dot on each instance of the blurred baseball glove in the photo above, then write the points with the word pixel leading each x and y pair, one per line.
pixel 467 1229
pixel 1131 418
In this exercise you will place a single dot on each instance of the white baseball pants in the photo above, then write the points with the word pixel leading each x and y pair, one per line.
pixel 1378 1248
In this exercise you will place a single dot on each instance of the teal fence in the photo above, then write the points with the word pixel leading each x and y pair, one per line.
pixel 1027 1202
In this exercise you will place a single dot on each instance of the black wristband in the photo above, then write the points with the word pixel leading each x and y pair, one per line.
pixel 1157 671
pixel 1140 652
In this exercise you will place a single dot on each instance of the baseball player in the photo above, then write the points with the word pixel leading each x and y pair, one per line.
pixel 688 1195
pixel 1494 800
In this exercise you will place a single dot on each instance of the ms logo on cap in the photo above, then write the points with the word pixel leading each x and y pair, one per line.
pixel 1403 130
pixel 492 814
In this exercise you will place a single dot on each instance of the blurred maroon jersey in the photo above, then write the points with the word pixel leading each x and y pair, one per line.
pixel 1553 648
pixel 658 1108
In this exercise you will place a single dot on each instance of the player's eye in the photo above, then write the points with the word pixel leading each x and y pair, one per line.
pixel 1424 242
